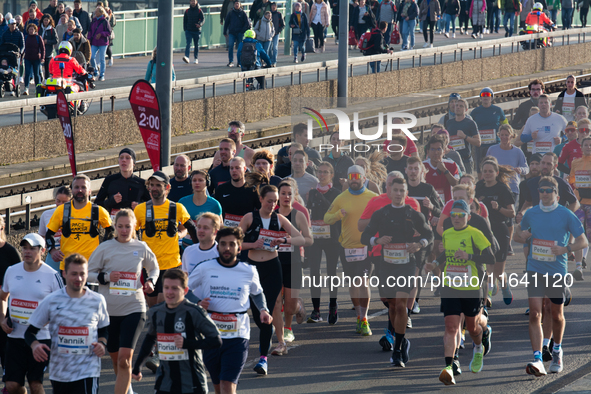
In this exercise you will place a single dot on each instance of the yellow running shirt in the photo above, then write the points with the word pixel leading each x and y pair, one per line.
pixel 354 205
pixel 580 179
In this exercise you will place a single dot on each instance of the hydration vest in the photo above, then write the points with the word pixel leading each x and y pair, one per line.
pixel 94 221
pixel 150 226
pixel 252 234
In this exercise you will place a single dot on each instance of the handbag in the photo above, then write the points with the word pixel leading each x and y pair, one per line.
pixel 296 31
pixel 309 45
pixel 395 36
pixel 352 38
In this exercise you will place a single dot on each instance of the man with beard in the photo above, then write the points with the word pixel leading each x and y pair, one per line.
pixel 180 185
pixel 79 221
pixel 163 222
pixel 235 198
pixel 221 173
pixel 536 88
pixel 236 132
pixel 226 363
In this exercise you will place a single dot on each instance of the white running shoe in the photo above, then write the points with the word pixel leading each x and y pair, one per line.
pixel 556 366
pixel 536 368
pixel 453 35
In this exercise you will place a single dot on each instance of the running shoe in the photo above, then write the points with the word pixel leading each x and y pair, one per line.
pixel 485 312
pixel 409 322
pixel 387 341
pixel 510 251
pixel 578 275
pixel 315 317
pixel 396 359
pixel 447 376
pixel 463 342
pixel 556 366
pixel 280 349
pixel 486 342
pixel 507 295
pixel 415 308
pixel 405 348
pixel 288 335
pixel 364 328
pixel 301 313
pixel 536 368
pixel 261 367
pixel 494 287
pixel 153 363
pixel 456 367
pixel 527 312
pixel 333 316
pixel 488 302
pixel 358 329
pixel 546 354
pixel 568 297
pixel 186 59
pixel 476 363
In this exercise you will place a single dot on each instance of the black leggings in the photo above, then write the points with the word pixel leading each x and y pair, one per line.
pixel 318 35
pixel 431 25
pixel 314 252
pixel 583 14
pixel 272 281
pixel 477 29
pixel 334 22
pixel 501 233
pixel 124 331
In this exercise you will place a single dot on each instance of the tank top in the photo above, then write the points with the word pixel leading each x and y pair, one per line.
pixel 286 257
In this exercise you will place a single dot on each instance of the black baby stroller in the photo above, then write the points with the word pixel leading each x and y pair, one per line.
pixel 9 58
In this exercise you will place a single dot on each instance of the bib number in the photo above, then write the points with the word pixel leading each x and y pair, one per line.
pixel 457 143
pixel 441 193
pixel 74 340
pixel 568 109
pixel 463 272
pixel 168 351
pixel 356 254
pixel 125 286
pixel 21 310
pixel 395 254
pixel 228 324
pixel 488 137
pixel 268 236
pixel 582 179
pixel 542 147
pixel 113 214
pixel 542 250
pixel 232 220
pixel 320 229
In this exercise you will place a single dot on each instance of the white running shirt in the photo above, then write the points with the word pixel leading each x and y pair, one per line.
pixel 194 255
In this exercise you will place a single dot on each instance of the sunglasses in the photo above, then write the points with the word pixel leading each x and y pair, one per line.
pixel 458 214
pixel 546 190
pixel 233 130
pixel 354 176
pixel 570 130
pixel 485 94
pixel 583 130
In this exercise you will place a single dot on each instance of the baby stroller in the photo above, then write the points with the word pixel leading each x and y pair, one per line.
pixel 9 58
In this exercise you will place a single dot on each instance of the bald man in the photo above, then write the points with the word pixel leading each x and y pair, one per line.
pixel 180 185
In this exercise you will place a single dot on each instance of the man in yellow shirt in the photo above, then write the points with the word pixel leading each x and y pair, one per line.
pixel 163 222
pixel 348 207
pixel 79 223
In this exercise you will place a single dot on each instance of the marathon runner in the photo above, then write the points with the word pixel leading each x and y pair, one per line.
pixel 325 239
pixel 221 174
pixel 347 208
pixel 263 163
pixel 180 185
pixel 180 328
pixel 394 227
pixel 124 189
pixel 291 270
pixel 78 221
pixel 375 171
pixel 536 88
pixel 117 266
pixel 63 194
pixel 466 250
pixel 572 149
pixel 547 267
pixel 463 134
pixel 208 225
pixel 544 129
pixel 337 157
pixel 229 310
pixel 78 323
pixel 236 131
pixel 27 284
pixel 262 239
pixel 306 181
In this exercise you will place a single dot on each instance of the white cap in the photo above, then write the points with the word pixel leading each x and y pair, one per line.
pixel 11 21
pixel 356 170
pixel 34 239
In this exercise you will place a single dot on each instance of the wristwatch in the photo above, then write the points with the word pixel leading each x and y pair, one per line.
pixel 425 243
pixel 103 342
pixel 568 248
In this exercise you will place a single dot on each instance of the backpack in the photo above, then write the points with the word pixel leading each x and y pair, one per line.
pixel 150 226
pixel 249 55
pixel 94 221
pixel 365 41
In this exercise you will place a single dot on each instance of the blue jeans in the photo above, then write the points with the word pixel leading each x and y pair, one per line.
pixel 99 51
pixel 496 19
pixel 388 34
pixel 274 48
pixel 192 36
pixel 233 39
pixel 375 66
pixel 553 15
pixel 408 29
pixel 567 17
pixel 450 19
pixel 509 17
pixel 266 46
pixel 32 70
pixel 440 24
pixel 298 45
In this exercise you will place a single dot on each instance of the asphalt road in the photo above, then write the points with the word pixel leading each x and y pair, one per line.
pixel 334 359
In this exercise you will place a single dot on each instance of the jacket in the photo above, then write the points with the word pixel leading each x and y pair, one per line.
pixel 3 28
pixel 510 5
pixel 526 7
pixel 579 100
pixel 304 26
pixel 412 11
pixel 50 35
pixel 71 65
pixel 38 15
pixel 60 30
pixel 236 22
pixel 84 20
pixel 369 19
pixel 227 6
pixel 260 52
pixel 278 22
pixel 151 72
pixel 451 7
pixel 99 26
pixel 193 16
pixel 324 14
pixel 334 7
pixel 34 48
pixel 36 22
pixel 433 9
pixel 377 44
pixel 16 37
pixel 538 18
pixel 264 30
pixel 82 46
pixel 258 9
pixel 580 3
pixel 379 11
pixel 554 5
pixel 478 12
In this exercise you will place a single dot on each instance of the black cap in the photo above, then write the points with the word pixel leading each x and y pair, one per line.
pixel 129 151
pixel 535 157
pixel 160 176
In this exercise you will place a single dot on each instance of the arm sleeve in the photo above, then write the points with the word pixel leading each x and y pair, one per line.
pixel 437 203
pixel 31 335
pixel 103 332
pixel 102 197
pixel 485 257
pixel 49 240
pixel 190 226
pixel 526 134
pixel 185 17
pixel 371 230
pixel 260 302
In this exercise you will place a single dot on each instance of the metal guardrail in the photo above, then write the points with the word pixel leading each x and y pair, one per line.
pixel 416 56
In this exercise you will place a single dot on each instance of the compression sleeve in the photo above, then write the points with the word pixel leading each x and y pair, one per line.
pixel 31 335
pixel 49 240
pixel 260 302
pixel 109 233
pixel 103 332
pixel 192 230
pixel 485 257
pixel 562 167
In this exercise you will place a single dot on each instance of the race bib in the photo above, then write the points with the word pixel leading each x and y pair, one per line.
pixel 488 137
pixel 530 146
pixel 320 229
pixel 441 193
pixel 542 147
pixel 356 254
pixel 542 250
pixel 74 340
pixel 168 351
pixel 228 324
pixel 267 236
pixel 582 178
pixel 568 109
pixel 395 253
pixel 459 271
pixel 57 237
pixel 21 310
pixel 125 286
pixel 113 214
pixel 457 143
pixel 232 220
